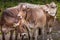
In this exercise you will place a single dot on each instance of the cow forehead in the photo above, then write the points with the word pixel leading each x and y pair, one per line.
pixel 53 4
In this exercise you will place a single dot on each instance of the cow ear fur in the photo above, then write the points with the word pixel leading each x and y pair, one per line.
pixel 47 5
pixel 23 7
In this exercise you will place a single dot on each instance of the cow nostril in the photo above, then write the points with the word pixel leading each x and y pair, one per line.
pixel 19 17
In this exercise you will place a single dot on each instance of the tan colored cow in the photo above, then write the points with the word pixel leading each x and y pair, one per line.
pixel 50 11
pixel 33 18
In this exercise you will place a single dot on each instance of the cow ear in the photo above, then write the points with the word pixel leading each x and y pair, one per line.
pixel 23 7
pixel 47 5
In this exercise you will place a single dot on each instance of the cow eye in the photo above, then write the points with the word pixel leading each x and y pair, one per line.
pixel 54 7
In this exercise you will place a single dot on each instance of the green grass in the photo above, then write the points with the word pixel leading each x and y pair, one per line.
pixel 58 11
pixel 6 5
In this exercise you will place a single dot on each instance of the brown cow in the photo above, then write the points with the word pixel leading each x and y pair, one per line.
pixel 34 18
pixel 50 10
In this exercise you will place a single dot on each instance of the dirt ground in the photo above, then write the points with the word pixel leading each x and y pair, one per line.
pixel 55 34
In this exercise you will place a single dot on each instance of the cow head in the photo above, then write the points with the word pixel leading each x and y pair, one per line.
pixel 23 11
pixel 51 9
pixel 21 14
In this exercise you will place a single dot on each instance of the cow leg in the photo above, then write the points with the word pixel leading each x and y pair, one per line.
pixel 21 36
pixel 50 31
pixel 49 35
pixel 28 36
pixel 11 35
pixel 16 35
pixel 36 34
pixel 43 33
pixel 3 36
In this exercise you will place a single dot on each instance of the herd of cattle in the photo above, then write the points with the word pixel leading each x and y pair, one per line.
pixel 29 20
